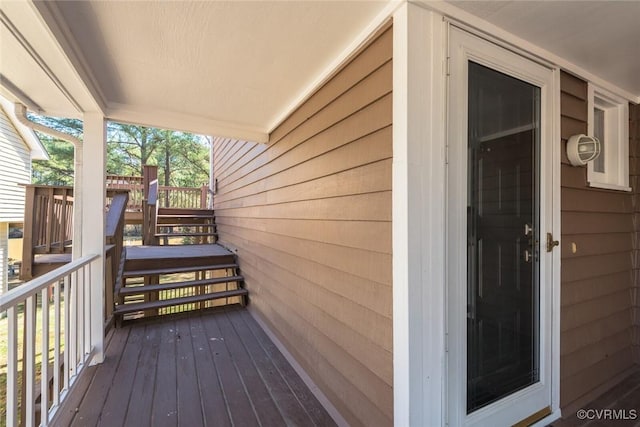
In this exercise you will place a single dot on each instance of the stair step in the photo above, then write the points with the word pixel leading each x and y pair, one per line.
pixel 130 308
pixel 186 215
pixel 134 290
pixel 187 234
pixel 185 225
pixel 172 270
pixel 183 211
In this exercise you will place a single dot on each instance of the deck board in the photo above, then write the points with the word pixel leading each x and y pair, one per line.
pixel 119 397
pixel 189 405
pixel 240 407
pixel 165 406
pixel 89 410
pixel 289 405
pixel 213 401
pixel 317 413
pixel 214 368
pixel 264 406
pixel 139 410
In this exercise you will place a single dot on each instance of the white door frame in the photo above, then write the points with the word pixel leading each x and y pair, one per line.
pixel 464 47
pixel 419 219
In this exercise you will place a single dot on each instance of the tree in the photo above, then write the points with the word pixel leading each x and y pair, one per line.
pixel 182 158
pixel 59 169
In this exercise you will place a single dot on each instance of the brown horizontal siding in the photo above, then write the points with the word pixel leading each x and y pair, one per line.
pixel 310 216
pixel 597 263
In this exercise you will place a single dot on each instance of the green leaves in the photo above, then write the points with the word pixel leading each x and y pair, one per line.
pixel 182 158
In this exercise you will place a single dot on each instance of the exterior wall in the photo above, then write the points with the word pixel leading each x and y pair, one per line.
pixel 4 261
pixel 310 217
pixel 596 306
pixel 15 168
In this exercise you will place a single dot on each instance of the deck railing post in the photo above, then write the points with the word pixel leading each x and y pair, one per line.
pixel 149 173
pixel 27 234
pixel 204 192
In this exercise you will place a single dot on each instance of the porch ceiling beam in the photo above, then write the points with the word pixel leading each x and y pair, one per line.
pixel 184 122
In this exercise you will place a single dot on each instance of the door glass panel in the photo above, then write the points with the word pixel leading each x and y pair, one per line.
pixel 502 236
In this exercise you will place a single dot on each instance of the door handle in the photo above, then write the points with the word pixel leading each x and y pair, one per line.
pixel 528 230
pixel 551 243
pixel 527 255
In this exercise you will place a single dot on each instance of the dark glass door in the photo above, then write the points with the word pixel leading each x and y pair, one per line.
pixel 502 236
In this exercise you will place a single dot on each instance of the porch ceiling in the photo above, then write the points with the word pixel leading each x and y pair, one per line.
pixel 224 67
pixel 236 68
pixel 599 36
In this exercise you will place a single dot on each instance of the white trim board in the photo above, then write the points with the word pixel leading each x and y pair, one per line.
pixel 345 56
pixel 418 210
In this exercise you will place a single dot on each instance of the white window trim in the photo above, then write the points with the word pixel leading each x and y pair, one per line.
pixel 616 174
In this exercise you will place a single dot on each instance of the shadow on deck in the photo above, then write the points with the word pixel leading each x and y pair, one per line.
pixel 213 368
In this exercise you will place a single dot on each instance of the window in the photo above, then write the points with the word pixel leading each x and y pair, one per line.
pixel 609 122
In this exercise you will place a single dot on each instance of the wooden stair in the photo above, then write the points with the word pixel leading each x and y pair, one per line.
pixel 195 226
pixel 160 280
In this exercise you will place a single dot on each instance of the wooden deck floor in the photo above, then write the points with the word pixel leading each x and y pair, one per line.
pixel 621 399
pixel 211 369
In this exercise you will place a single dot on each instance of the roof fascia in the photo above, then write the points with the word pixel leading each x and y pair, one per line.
pixel 38 152
pixel 339 62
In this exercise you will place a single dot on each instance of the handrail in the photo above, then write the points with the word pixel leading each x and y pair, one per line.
pixel 68 290
pixel 115 215
pixel 32 287
pixel 115 255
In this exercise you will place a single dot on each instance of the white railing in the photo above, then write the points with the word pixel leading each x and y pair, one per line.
pixel 64 317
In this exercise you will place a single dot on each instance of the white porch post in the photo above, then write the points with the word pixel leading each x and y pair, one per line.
pixel 92 224
pixel 419 175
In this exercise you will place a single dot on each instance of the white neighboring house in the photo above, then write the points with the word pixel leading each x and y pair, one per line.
pixel 19 145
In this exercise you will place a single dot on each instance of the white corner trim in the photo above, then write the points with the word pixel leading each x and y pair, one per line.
pixel 183 122
pixel 38 152
pixel 313 388
pixel 508 39
pixel 418 210
pixel 344 57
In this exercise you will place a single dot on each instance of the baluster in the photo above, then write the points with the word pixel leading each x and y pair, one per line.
pixel 44 365
pixel 67 331
pixel 12 367
pixel 56 345
pixel 30 361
